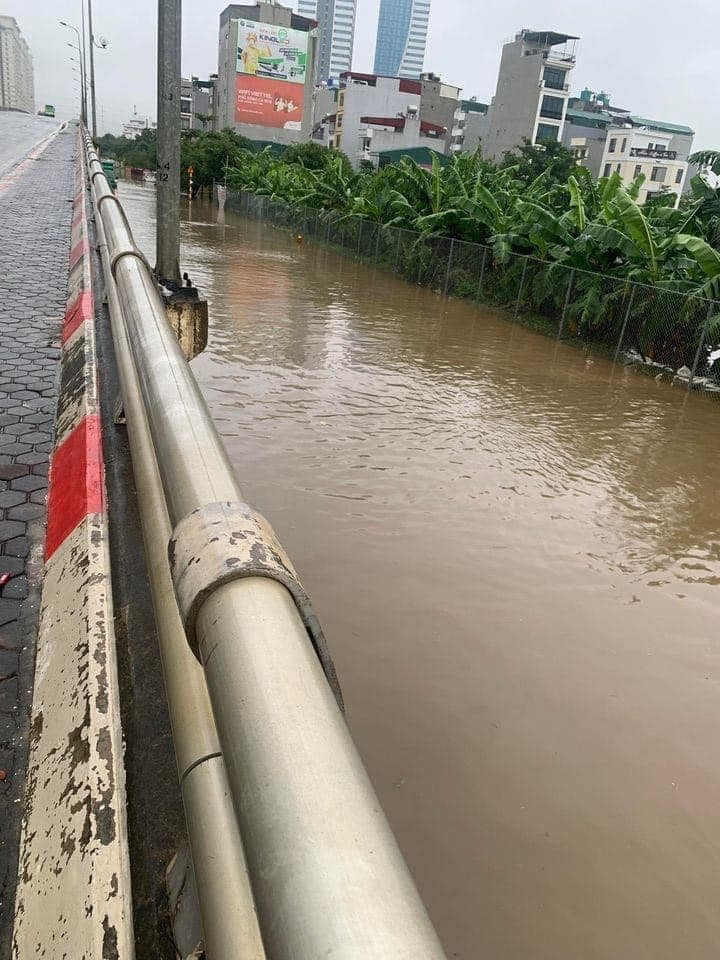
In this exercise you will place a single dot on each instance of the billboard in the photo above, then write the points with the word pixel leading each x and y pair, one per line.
pixel 268 103
pixel 278 53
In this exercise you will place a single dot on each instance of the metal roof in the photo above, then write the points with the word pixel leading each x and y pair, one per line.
pixel 548 37
pixel 589 118
pixel 473 106
pixel 660 125
pixel 421 155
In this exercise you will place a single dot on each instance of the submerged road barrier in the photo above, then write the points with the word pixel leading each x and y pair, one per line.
pixel 325 873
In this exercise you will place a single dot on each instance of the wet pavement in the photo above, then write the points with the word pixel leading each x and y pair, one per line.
pixel 514 549
pixel 35 213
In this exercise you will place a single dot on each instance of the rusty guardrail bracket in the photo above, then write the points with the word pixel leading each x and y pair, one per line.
pixel 226 541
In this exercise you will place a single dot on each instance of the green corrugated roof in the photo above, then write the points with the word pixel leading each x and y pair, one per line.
pixel 421 155
pixel 660 125
pixel 277 149
pixel 584 118
pixel 472 106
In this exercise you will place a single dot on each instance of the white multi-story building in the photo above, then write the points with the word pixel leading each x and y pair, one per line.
pixel 532 93
pixel 336 34
pixel 136 124
pixel 372 116
pixel 17 88
pixel 633 151
pixel 402 38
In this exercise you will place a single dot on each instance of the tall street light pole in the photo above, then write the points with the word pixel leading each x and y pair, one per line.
pixel 92 71
pixel 79 48
pixel 84 54
pixel 167 264
pixel 83 89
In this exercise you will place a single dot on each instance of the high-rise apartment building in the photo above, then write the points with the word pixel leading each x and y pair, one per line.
pixel 533 90
pixel 336 34
pixel 402 38
pixel 17 88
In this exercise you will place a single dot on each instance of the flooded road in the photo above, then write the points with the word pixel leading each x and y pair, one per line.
pixel 515 553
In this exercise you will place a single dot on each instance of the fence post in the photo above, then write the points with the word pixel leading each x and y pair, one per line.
pixel 567 303
pixel 420 248
pixel 625 323
pixel 482 274
pixel 700 345
pixel 520 289
pixel 378 228
pixel 360 223
pixel 447 272
pixel 397 253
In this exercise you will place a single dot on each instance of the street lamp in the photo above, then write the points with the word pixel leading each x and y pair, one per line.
pixel 81 52
pixel 92 70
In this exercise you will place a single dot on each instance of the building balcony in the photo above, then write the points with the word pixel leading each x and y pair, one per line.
pixel 556 57
pixel 653 154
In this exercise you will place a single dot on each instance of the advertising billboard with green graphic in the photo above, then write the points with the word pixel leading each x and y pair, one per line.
pixel 276 53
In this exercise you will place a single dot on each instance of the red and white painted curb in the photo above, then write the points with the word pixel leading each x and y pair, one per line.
pixel 73 896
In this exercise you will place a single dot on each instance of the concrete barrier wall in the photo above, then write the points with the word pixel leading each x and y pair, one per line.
pixel 73 896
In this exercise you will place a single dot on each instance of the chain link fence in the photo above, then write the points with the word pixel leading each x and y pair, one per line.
pixel 668 334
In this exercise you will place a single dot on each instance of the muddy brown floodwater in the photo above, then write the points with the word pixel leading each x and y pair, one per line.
pixel 515 553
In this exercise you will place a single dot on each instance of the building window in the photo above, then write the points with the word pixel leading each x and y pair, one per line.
pixel 624 144
pixel 552 108
pixel 658 174
pixel 638 171
pixel 185 105
pixel 679 176
pixel 554 78
pixel 612 145
pixel 651 146
pixel 606 172
pixel 546 131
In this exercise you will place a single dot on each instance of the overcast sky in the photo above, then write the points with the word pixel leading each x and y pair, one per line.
pixel 657 57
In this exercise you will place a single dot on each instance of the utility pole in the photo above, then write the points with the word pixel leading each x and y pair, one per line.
pixel 167 264
pixel 92 71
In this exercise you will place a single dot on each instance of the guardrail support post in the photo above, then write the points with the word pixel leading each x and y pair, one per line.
pixel 520 288
pixel 482 275
pixel 701 343
pixel 628 311
pixel 567 303
pixel 447 272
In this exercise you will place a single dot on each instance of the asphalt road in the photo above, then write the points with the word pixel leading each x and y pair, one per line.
pixel 19 132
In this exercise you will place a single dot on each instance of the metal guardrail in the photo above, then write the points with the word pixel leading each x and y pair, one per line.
pixel 326 874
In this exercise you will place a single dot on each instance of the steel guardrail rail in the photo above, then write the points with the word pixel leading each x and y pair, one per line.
pixel 225 900
pixel 327 875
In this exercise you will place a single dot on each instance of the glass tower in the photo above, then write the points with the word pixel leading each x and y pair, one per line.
pixel 401 38
pixel 336 34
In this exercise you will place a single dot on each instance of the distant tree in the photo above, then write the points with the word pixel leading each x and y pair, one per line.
pixel 208 154
pixel 532 159
pixel 139 151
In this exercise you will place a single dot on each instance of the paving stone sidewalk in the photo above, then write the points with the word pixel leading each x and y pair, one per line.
pixel 35 216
